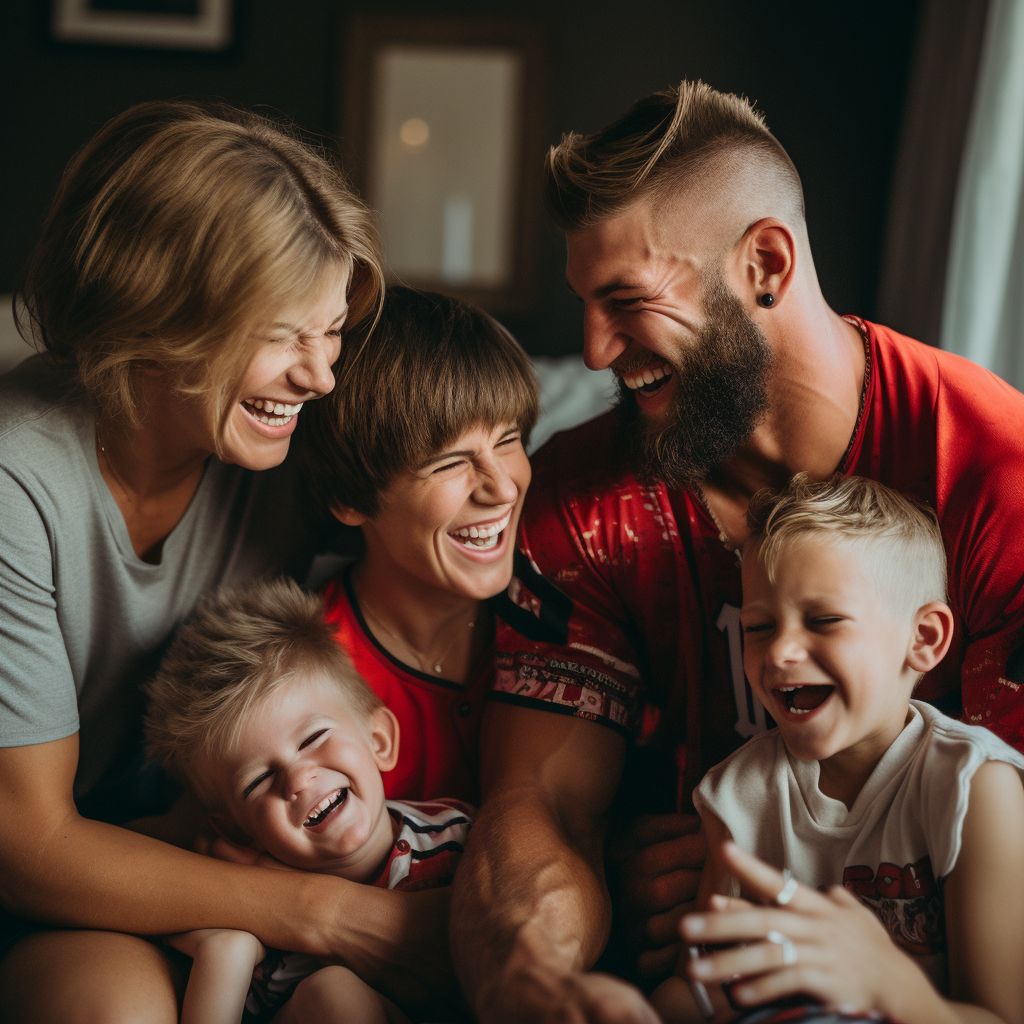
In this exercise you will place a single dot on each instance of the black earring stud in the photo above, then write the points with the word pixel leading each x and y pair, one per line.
pixel 767 300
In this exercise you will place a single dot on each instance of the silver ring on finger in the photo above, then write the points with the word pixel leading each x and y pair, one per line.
pixel 789 887
pixel 788 949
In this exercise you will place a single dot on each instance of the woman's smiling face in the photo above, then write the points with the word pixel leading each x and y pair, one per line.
pixel 449 523
pixel 291 367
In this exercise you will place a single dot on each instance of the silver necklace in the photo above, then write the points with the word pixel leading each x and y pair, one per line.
pixel 437 664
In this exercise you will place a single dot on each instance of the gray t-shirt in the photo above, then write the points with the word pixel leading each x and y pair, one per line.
pixel 83 620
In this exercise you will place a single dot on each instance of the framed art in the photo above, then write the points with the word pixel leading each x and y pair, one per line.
pixel 442 125
pixel 164 24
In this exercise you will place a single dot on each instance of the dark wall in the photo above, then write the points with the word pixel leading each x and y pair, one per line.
pixel 829 77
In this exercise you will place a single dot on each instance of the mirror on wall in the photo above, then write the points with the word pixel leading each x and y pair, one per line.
pixel 442 126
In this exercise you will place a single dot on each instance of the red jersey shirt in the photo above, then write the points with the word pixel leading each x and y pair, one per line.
pixel 439 720
pixel 641 628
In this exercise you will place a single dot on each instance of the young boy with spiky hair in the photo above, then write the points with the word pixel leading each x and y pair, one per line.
pixel 875 841
pixel 258 709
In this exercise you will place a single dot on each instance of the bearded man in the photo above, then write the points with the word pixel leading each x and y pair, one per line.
pixel 688 248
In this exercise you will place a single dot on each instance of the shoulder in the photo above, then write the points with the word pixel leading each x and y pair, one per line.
pixel 951 759
pixel 745 777
pixel 946 738
pixel 38 407
pixel 924 380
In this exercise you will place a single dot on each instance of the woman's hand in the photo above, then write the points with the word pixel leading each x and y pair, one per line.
pixel 828 946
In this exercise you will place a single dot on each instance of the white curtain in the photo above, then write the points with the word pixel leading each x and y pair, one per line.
pixel 983 309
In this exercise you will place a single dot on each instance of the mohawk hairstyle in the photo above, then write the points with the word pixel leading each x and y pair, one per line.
pixel 659 144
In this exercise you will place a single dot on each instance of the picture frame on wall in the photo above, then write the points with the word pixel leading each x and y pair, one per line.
pixel 442 129
pixel 160 24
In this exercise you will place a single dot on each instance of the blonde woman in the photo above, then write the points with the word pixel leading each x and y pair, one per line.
pixel 189 289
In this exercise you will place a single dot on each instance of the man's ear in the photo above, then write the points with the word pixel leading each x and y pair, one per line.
pixel 348 516
pixel 226 828
pixel 932 634
pixel 768 251
pixel 384 738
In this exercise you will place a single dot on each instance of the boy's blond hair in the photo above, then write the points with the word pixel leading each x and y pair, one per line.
pixel 899 538
pixel 240 647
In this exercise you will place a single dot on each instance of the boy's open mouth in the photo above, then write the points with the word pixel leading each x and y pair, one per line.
pixel 483 537
pixel 801 699
pixel 325 807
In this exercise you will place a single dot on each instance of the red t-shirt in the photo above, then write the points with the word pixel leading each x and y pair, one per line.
pixel 439 720
pixel 643 629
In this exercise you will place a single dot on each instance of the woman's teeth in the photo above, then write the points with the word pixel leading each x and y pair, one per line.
pixel 481 537
pixel 274 414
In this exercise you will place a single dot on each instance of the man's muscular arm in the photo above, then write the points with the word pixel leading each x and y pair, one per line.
pixel 530 908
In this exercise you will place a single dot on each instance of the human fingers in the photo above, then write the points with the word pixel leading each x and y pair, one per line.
pixel 646 896
pixel 668 855
pixel 664 928
pixel 767 884
pixel 726 904
pixel 659 963
pixel 789 981
pixel 657 828
pixel 747 924
pixel 602 999
pixel 775 953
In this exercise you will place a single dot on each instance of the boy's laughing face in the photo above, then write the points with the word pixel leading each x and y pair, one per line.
pixel 825 651
pixel 303 780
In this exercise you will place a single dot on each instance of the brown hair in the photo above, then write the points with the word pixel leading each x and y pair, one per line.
pixel 175 233
pixel 660 142
pixel 899 538
pixel 437 367
pixel 239 648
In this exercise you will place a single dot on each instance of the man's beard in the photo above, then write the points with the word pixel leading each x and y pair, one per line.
pixel 721 393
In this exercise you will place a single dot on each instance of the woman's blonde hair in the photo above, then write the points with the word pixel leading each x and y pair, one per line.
pixel 899 538
pixel 176 235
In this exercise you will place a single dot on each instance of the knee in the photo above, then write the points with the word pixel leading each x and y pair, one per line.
pixel 334 993
pixel 88 978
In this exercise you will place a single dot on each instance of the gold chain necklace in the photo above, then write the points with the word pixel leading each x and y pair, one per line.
pixel 437 664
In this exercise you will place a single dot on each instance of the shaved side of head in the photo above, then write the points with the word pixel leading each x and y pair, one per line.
pixel 692 148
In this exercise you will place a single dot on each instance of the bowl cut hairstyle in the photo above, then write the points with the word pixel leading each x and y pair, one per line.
pixel 176 235
pixel 240 647
pixel 660 144
pixel 433 368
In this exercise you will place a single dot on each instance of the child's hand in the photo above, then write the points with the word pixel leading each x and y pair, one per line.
pixel 827 946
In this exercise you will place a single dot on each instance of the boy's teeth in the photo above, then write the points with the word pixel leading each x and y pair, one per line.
pixel 321 808
pixel 487 534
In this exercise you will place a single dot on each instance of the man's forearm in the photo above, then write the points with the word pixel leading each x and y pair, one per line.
pixel 530 906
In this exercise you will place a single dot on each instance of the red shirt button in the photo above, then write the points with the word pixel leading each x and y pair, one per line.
pixel 402 846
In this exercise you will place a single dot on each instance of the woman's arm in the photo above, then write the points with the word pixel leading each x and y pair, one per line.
pixel 63 869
